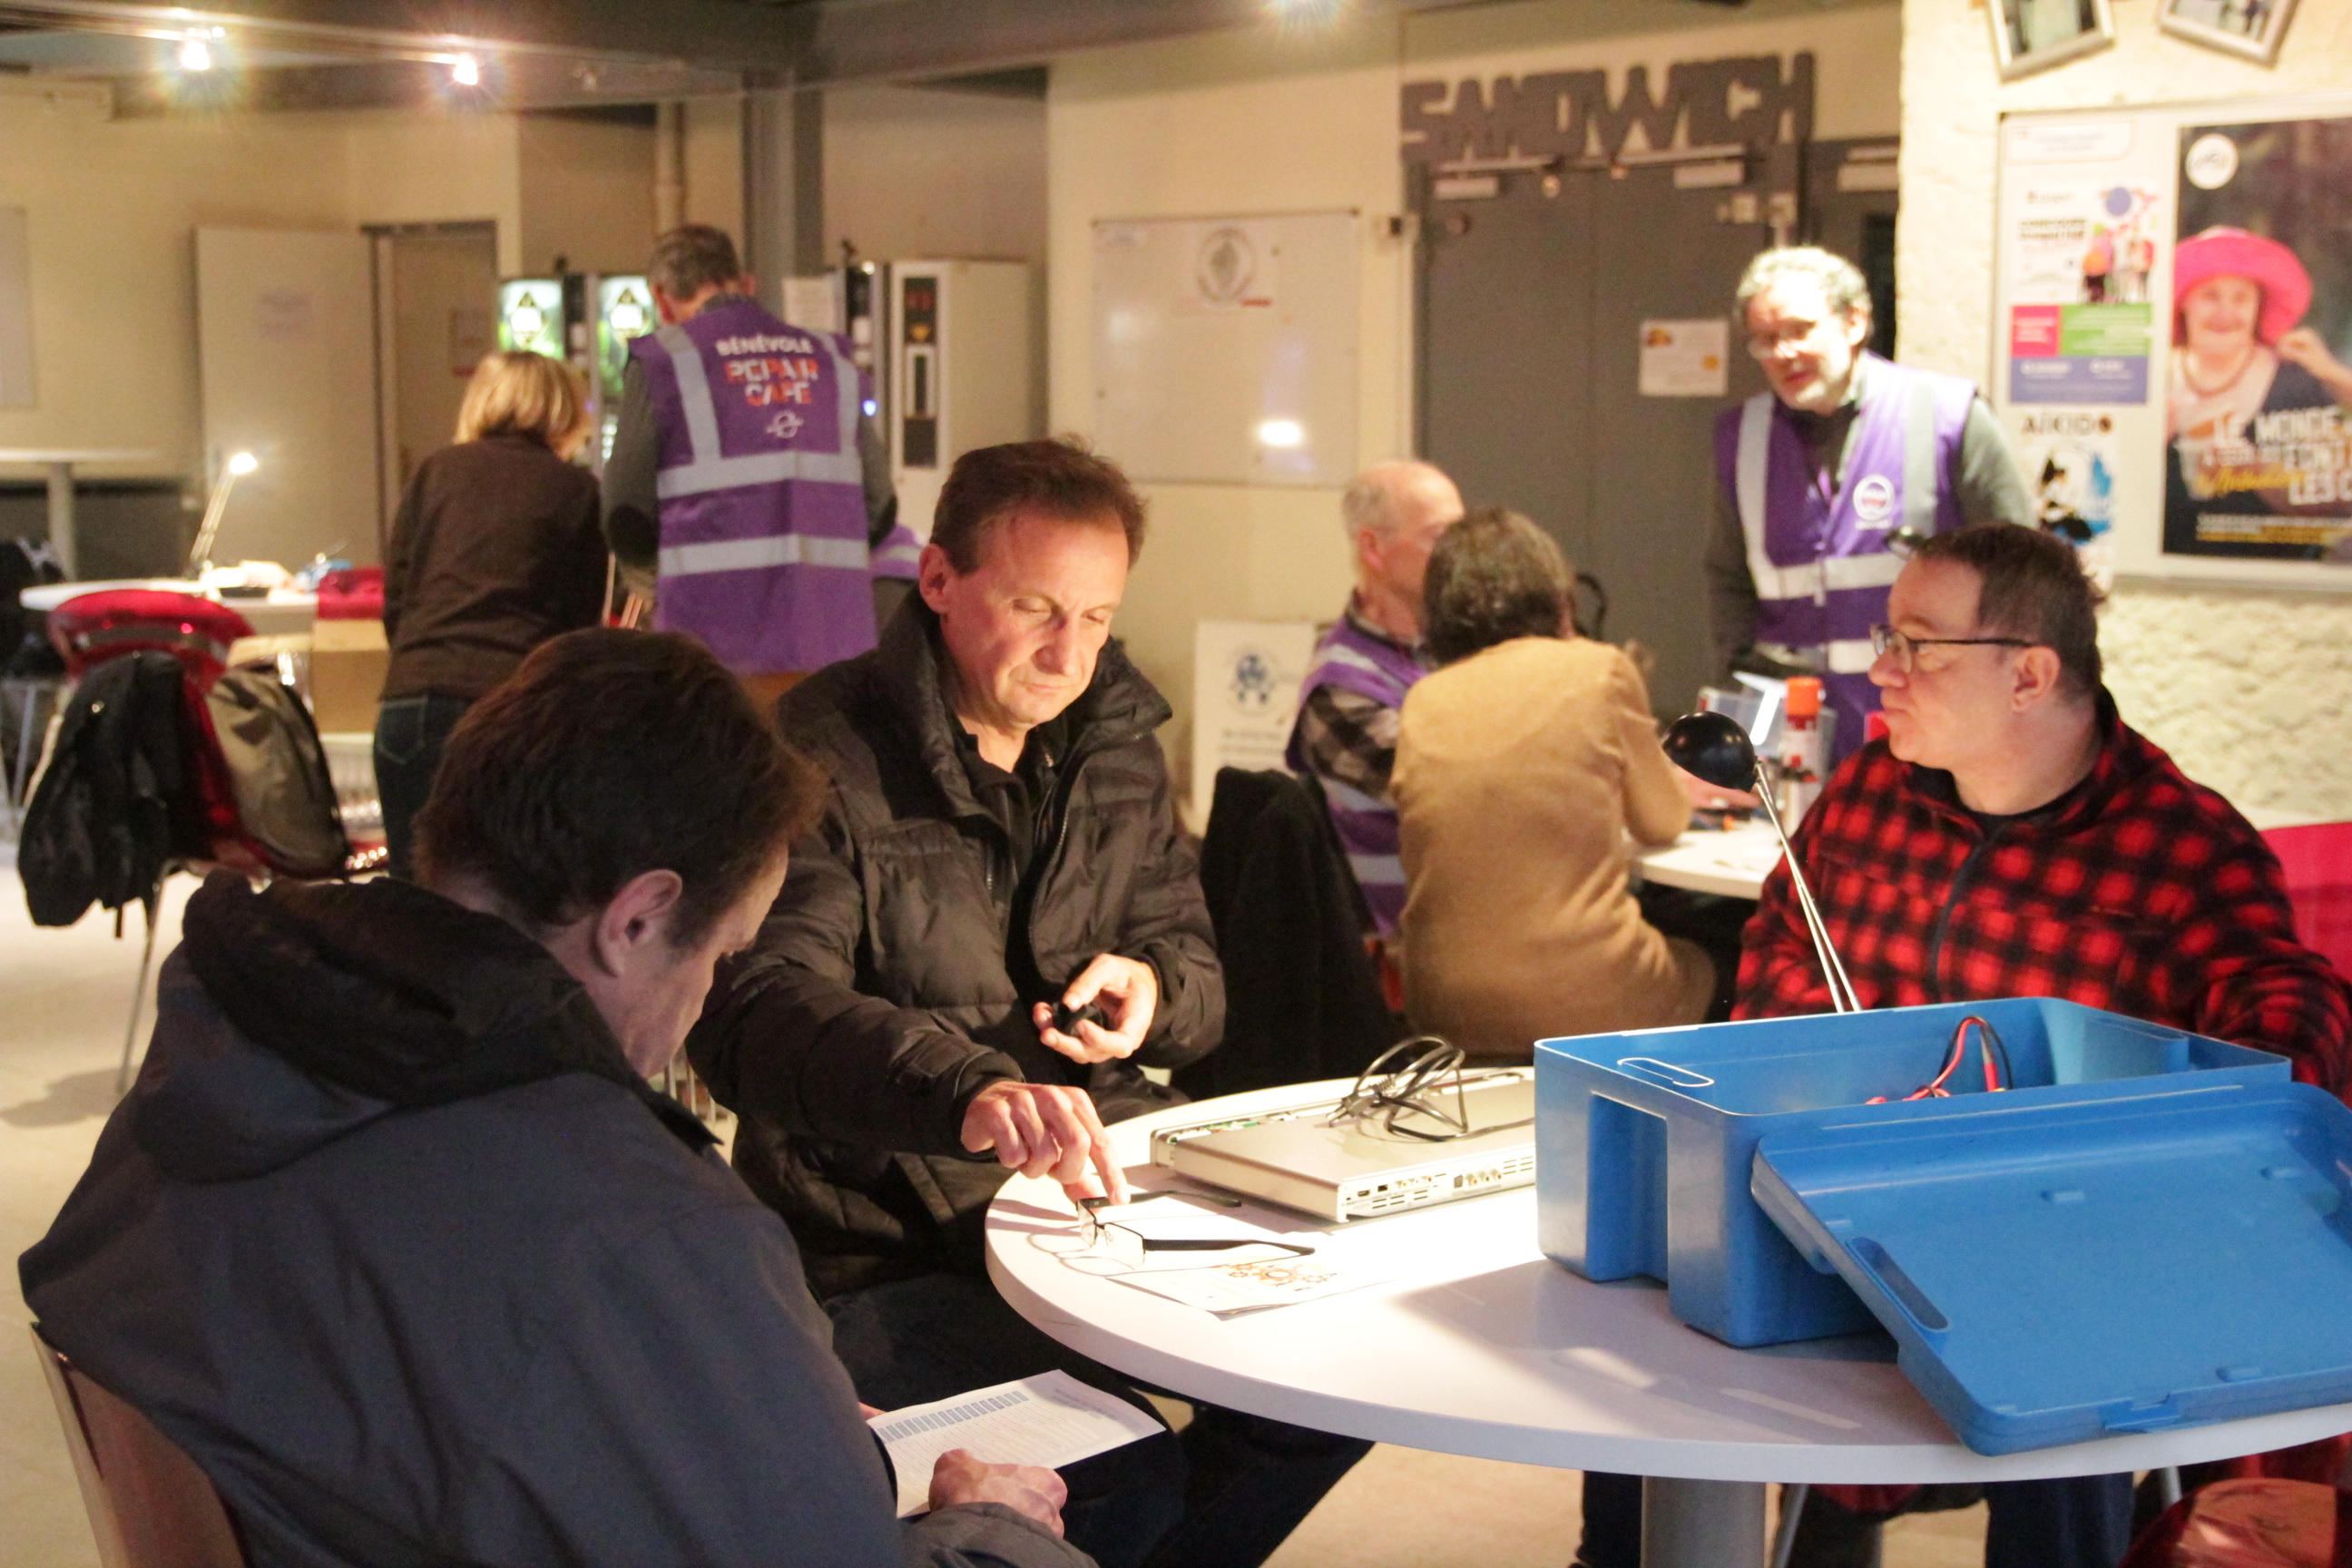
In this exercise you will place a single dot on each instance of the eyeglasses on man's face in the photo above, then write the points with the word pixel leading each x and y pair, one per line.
pixel 1885 640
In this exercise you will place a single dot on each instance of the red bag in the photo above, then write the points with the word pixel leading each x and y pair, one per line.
pixel 2261 1523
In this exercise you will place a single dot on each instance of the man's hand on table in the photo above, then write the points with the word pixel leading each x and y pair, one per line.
pixel 1128 994
pixel 1704 796
pixel 1040 1129
pixel 962 1476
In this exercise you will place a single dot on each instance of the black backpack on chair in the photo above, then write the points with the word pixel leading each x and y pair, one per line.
pixel 113 806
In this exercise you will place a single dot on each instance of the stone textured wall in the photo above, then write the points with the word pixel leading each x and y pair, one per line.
pixel 2252 692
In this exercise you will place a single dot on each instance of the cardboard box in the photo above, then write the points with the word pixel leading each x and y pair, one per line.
pixel 348 662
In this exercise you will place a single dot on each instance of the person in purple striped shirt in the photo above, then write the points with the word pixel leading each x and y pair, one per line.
pixel 1345 733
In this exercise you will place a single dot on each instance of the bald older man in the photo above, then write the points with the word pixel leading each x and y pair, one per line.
pixel 1345 734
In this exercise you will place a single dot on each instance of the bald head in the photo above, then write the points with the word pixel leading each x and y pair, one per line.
pixel 1394 513
pixel 1403 492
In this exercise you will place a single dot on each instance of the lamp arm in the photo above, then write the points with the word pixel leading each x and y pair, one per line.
pixel 214 508
pixel 1842 994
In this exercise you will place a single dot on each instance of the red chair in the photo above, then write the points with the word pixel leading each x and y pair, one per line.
pixel 2256 1522
pixel 2318 859
pixel 150 1506
pixel 91 629
pixel 198 633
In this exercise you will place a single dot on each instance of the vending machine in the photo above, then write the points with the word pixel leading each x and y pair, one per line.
pixel 586 319
pixel 961 369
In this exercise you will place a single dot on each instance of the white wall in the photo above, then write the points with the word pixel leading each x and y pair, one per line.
pixel 426 166
pixel 2252 692
pixel 1274 120
pixel 912 173
pixel 587 193
pixel 110 209
pixel 112 206
pixel 714 162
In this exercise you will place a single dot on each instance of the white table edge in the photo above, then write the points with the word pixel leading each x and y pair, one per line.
pixel 1684 1457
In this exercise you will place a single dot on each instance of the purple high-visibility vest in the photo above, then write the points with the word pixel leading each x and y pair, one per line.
pixel 764 554
pixel 1372 668
pixel 898 555
pixel 1819 562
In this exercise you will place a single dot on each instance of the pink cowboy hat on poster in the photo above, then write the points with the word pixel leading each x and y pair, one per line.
pixel 2234 253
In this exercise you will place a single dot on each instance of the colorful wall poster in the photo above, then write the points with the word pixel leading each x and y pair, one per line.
pixel 2258 441
pixel 2080 324
pixel 2071 461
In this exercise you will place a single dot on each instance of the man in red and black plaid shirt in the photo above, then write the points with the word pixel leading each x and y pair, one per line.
pixel 2012 836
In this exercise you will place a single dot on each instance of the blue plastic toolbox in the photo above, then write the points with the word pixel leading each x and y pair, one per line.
pixel 2055 1272
pixel 1644 1141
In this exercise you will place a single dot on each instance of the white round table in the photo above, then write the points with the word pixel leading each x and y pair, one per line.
pixel 1482 1346
pixel 1732 862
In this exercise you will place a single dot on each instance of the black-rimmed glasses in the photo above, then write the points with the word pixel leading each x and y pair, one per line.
pixel 1884 639
pixel 1129 1245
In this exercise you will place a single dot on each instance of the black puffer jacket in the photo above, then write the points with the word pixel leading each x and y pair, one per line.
pixel 887 958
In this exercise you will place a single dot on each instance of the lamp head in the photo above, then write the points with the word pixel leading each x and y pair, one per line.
pixel 1712 748
pixel 242 463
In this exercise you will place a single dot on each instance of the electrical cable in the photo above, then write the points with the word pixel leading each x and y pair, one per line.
pixel 1382 1094
pixel 1989 1044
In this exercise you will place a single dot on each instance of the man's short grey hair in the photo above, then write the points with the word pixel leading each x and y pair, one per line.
pixel 1840 280
pixel 1370 502
pixel 690 259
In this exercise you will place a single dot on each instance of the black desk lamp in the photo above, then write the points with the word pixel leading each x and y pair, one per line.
pixel 1713 748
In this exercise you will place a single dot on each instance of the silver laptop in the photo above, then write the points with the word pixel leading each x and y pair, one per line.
pixel 1364 1166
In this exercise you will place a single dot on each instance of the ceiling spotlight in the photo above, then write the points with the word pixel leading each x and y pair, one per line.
pixel 466 71
pixel 196 55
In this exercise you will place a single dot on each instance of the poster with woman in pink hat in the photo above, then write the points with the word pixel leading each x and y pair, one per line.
pixel 2258 414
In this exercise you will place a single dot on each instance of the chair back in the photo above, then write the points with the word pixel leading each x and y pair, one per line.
pixel 91 629
pixel 2318 860
pixel 149 1504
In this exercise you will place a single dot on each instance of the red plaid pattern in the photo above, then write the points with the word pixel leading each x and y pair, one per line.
pixel 2143 893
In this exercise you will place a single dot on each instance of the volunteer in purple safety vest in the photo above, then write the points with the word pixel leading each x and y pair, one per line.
pixel 1345 733
pixel 1817 476
pixel 746 472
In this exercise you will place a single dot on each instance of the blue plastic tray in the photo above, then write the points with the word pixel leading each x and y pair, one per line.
pixel 2056 1272
pixel 1644 1141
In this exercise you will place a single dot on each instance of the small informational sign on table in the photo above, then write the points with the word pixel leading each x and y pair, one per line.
pixel 1246 676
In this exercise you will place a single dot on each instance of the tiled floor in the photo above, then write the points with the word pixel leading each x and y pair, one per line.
pixel 62 1001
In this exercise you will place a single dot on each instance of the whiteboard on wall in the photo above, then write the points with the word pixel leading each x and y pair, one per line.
pixel 1224 348
pixel 2207 436
pixel 15 312
pixel 286 370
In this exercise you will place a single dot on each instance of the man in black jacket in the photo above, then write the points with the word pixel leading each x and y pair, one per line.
pixel 395 1240
pixel 999 838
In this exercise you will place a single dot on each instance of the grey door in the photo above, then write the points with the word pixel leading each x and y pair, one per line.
pixel 1531 304
pixel 1850 208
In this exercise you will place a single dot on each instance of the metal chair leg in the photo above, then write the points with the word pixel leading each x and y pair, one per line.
pixel 2168 1484
pixel 17 801
pixel 1792 1509
pixel 138 995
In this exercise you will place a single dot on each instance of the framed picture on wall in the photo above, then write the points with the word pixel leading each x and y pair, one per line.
pixel 2029 35
pixel 2248 27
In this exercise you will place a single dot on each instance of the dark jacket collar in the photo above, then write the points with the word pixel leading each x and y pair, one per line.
pixel 1118 706
pixel 385 995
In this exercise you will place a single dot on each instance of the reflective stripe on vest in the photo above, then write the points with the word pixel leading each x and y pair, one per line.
pixel 709 470
pixel 1815 579
pixel 900 554
pixel 771 549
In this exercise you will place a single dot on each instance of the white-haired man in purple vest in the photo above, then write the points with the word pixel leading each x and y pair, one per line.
pixel 1847 455
pixel 747 474
pixel 1345 733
